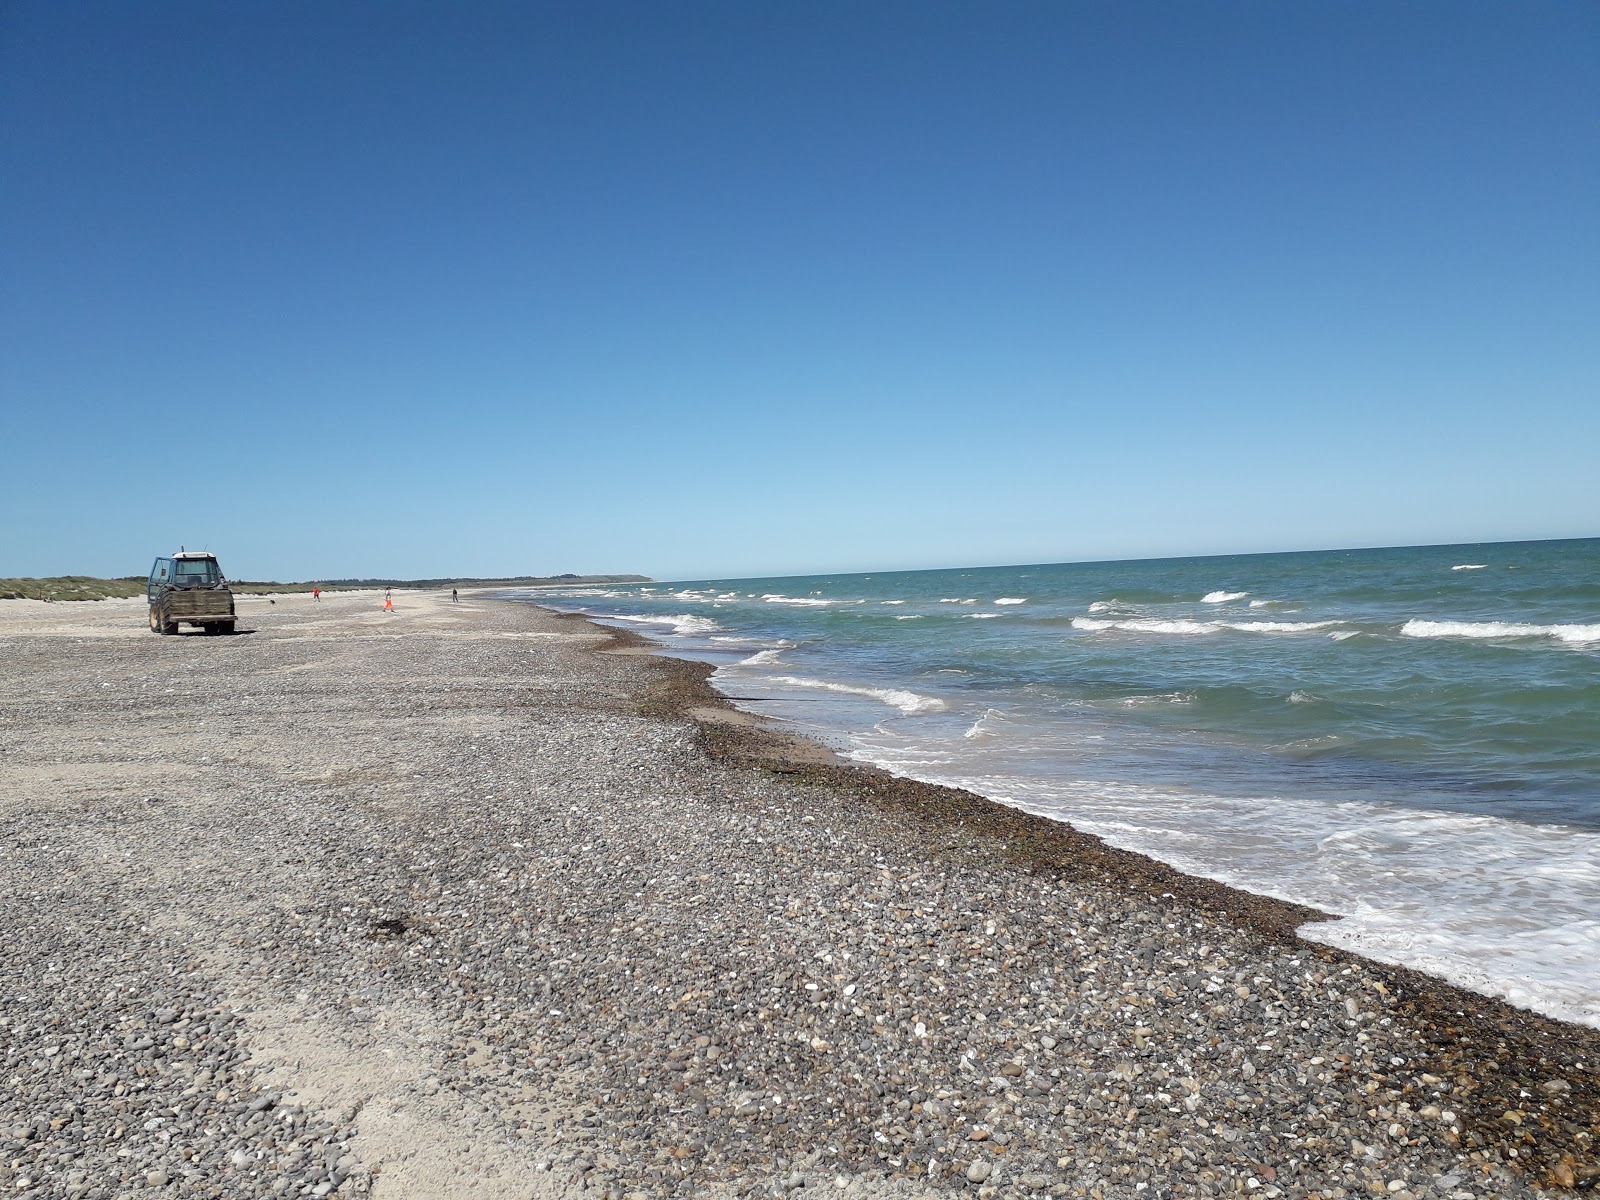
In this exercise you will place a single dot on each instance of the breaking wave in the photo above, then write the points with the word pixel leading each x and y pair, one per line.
pixel 681 623
pixel 1185 626
pixel 1572 634
pixel 906 702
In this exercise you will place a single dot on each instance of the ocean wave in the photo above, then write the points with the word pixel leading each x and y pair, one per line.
pixel 1299 697
pixel 1012 600
pixel 1571 634
pixel 1469 566
pixel 761 658
pixel 980 616
pixel 985 726
pixel 1163 698
pixel 910 617
pixel 682 623
pixel 1111 605
pixel 799 601
pixel 891 602
pixel 1222 597
pixel 1279 626
pixel 1344 635
pixel 906 702
pixel 955 600
pixel 1186 626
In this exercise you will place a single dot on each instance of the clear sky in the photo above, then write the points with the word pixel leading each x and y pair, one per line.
pixel 743 288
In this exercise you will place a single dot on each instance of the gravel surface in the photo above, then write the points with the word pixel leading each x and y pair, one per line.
pixel 460 902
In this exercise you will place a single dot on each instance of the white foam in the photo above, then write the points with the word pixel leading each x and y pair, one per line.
pixel 1012 600
pixel 1105 605
pixel 891 602
pixel 1222 597
pixel 1164 698
pixel 1280 626
pixel 1299 697
pixel 1469 567
pixel 682 623
pixel 980 616
pixel 955 600
pixel 800 601
pixel 1187 626
pixel 1573 634
pixel 1146 625
pixel 1343 634
pixel 906 702
pixel 760 658
pixel 986 726
pixel 910 617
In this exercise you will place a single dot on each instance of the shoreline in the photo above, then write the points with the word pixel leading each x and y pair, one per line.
pixel 477 900
pixel 1514 1052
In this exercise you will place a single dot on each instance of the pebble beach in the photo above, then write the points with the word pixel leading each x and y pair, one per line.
pixel 480 900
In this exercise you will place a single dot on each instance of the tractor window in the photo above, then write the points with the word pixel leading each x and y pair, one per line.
pixel 201 572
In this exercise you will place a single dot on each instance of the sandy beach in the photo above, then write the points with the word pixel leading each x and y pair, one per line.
pixel 477 900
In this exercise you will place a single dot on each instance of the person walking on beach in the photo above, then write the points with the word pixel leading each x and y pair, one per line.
pixel 388 604
pixel 316 594
pixel 454 599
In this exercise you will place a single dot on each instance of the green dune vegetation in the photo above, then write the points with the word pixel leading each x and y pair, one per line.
pixel 87 587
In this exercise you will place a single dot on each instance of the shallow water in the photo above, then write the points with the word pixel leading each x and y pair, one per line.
pixel 1409 738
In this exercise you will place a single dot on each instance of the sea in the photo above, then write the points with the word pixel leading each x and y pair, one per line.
pixel 1407 738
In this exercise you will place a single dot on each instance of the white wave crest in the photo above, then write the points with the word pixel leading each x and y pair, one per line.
pixel 906 702
pixel 910 617
pixel 1279 626
pixel 799 601
pixel 760 658
pixel 1185 626
pixel 1012 600
pixel 891 602
pixel 1299 697
pixel 1222 597
pixel 1469 566
pixel 985 726
pixel 1105 605
pixel 1571 634
pixel 1343 634
pixel 955 600
pixel 980 616
pixel 682 624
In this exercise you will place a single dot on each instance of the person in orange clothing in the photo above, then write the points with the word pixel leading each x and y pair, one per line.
pixel 388 604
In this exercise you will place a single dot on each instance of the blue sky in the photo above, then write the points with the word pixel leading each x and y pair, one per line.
pixel 748 289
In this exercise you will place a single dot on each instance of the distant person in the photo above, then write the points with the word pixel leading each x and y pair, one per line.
pixel 454 599
pixel 388 604
pixel 316 594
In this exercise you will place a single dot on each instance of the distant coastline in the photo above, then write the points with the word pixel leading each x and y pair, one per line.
pixel 90 587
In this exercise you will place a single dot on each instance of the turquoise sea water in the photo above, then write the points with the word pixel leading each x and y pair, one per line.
pixel 1409 738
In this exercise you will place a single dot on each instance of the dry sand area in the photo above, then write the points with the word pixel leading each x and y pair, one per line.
pixel 462 902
